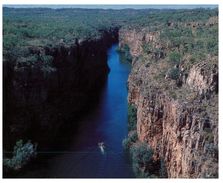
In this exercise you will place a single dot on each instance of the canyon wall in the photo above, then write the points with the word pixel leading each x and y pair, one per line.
pixel 178 119
pixel 41 97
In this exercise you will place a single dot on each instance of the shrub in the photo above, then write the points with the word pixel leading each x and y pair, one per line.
pixel 10 41
pixel 208 135
pixel 22 154
pixel 125 53
pixel 132 117
pixel 32 58
pixel 126 48
pixel 142 159
pixel 127 142
pixel 47 59
pixel 212 46
pixel 162 170
pixel 192 60
pixel 141 154
pixel 174 73
pixel 134 136
pixel 147 48
pixel 173 94
pixel 175 57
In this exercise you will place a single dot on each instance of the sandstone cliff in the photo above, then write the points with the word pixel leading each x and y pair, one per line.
pixel 42 96
pixel 177 118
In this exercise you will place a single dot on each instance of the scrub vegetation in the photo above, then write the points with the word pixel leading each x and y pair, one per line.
pixel 141 154
pixel 26 27
pixel 22 154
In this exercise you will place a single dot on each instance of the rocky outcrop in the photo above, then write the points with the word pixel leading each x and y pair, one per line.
pixel 203 78
pixel 181 131
pixel 136 38
pixel 42 96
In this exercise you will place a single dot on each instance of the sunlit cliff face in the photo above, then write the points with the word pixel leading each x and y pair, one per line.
pixel 172 118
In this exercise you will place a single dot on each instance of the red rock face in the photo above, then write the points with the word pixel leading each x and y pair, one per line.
pixel 202 78
pixel 137 38
pixel 178 131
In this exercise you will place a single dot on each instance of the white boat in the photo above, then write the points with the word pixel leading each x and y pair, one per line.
pixel 102 147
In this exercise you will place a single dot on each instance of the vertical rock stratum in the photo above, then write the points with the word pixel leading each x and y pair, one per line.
pixel 42 96
pixel 176 100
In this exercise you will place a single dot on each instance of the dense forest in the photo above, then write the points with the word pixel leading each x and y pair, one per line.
pixel 47 27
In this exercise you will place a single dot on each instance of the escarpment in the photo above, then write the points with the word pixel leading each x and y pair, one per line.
pixel 45 91
pixel 176 97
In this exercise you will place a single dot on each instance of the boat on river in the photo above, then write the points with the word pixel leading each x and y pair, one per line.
pixel 101 145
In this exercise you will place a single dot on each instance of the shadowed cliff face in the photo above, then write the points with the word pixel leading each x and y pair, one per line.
pixel 178 121
pixel 41 97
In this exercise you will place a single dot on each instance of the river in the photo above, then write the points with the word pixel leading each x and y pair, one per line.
pixel 107 123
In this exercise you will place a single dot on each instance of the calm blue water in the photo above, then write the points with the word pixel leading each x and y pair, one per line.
pixel 108 124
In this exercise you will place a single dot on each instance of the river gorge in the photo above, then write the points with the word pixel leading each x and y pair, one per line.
pixel 107 123
pixel 101 97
